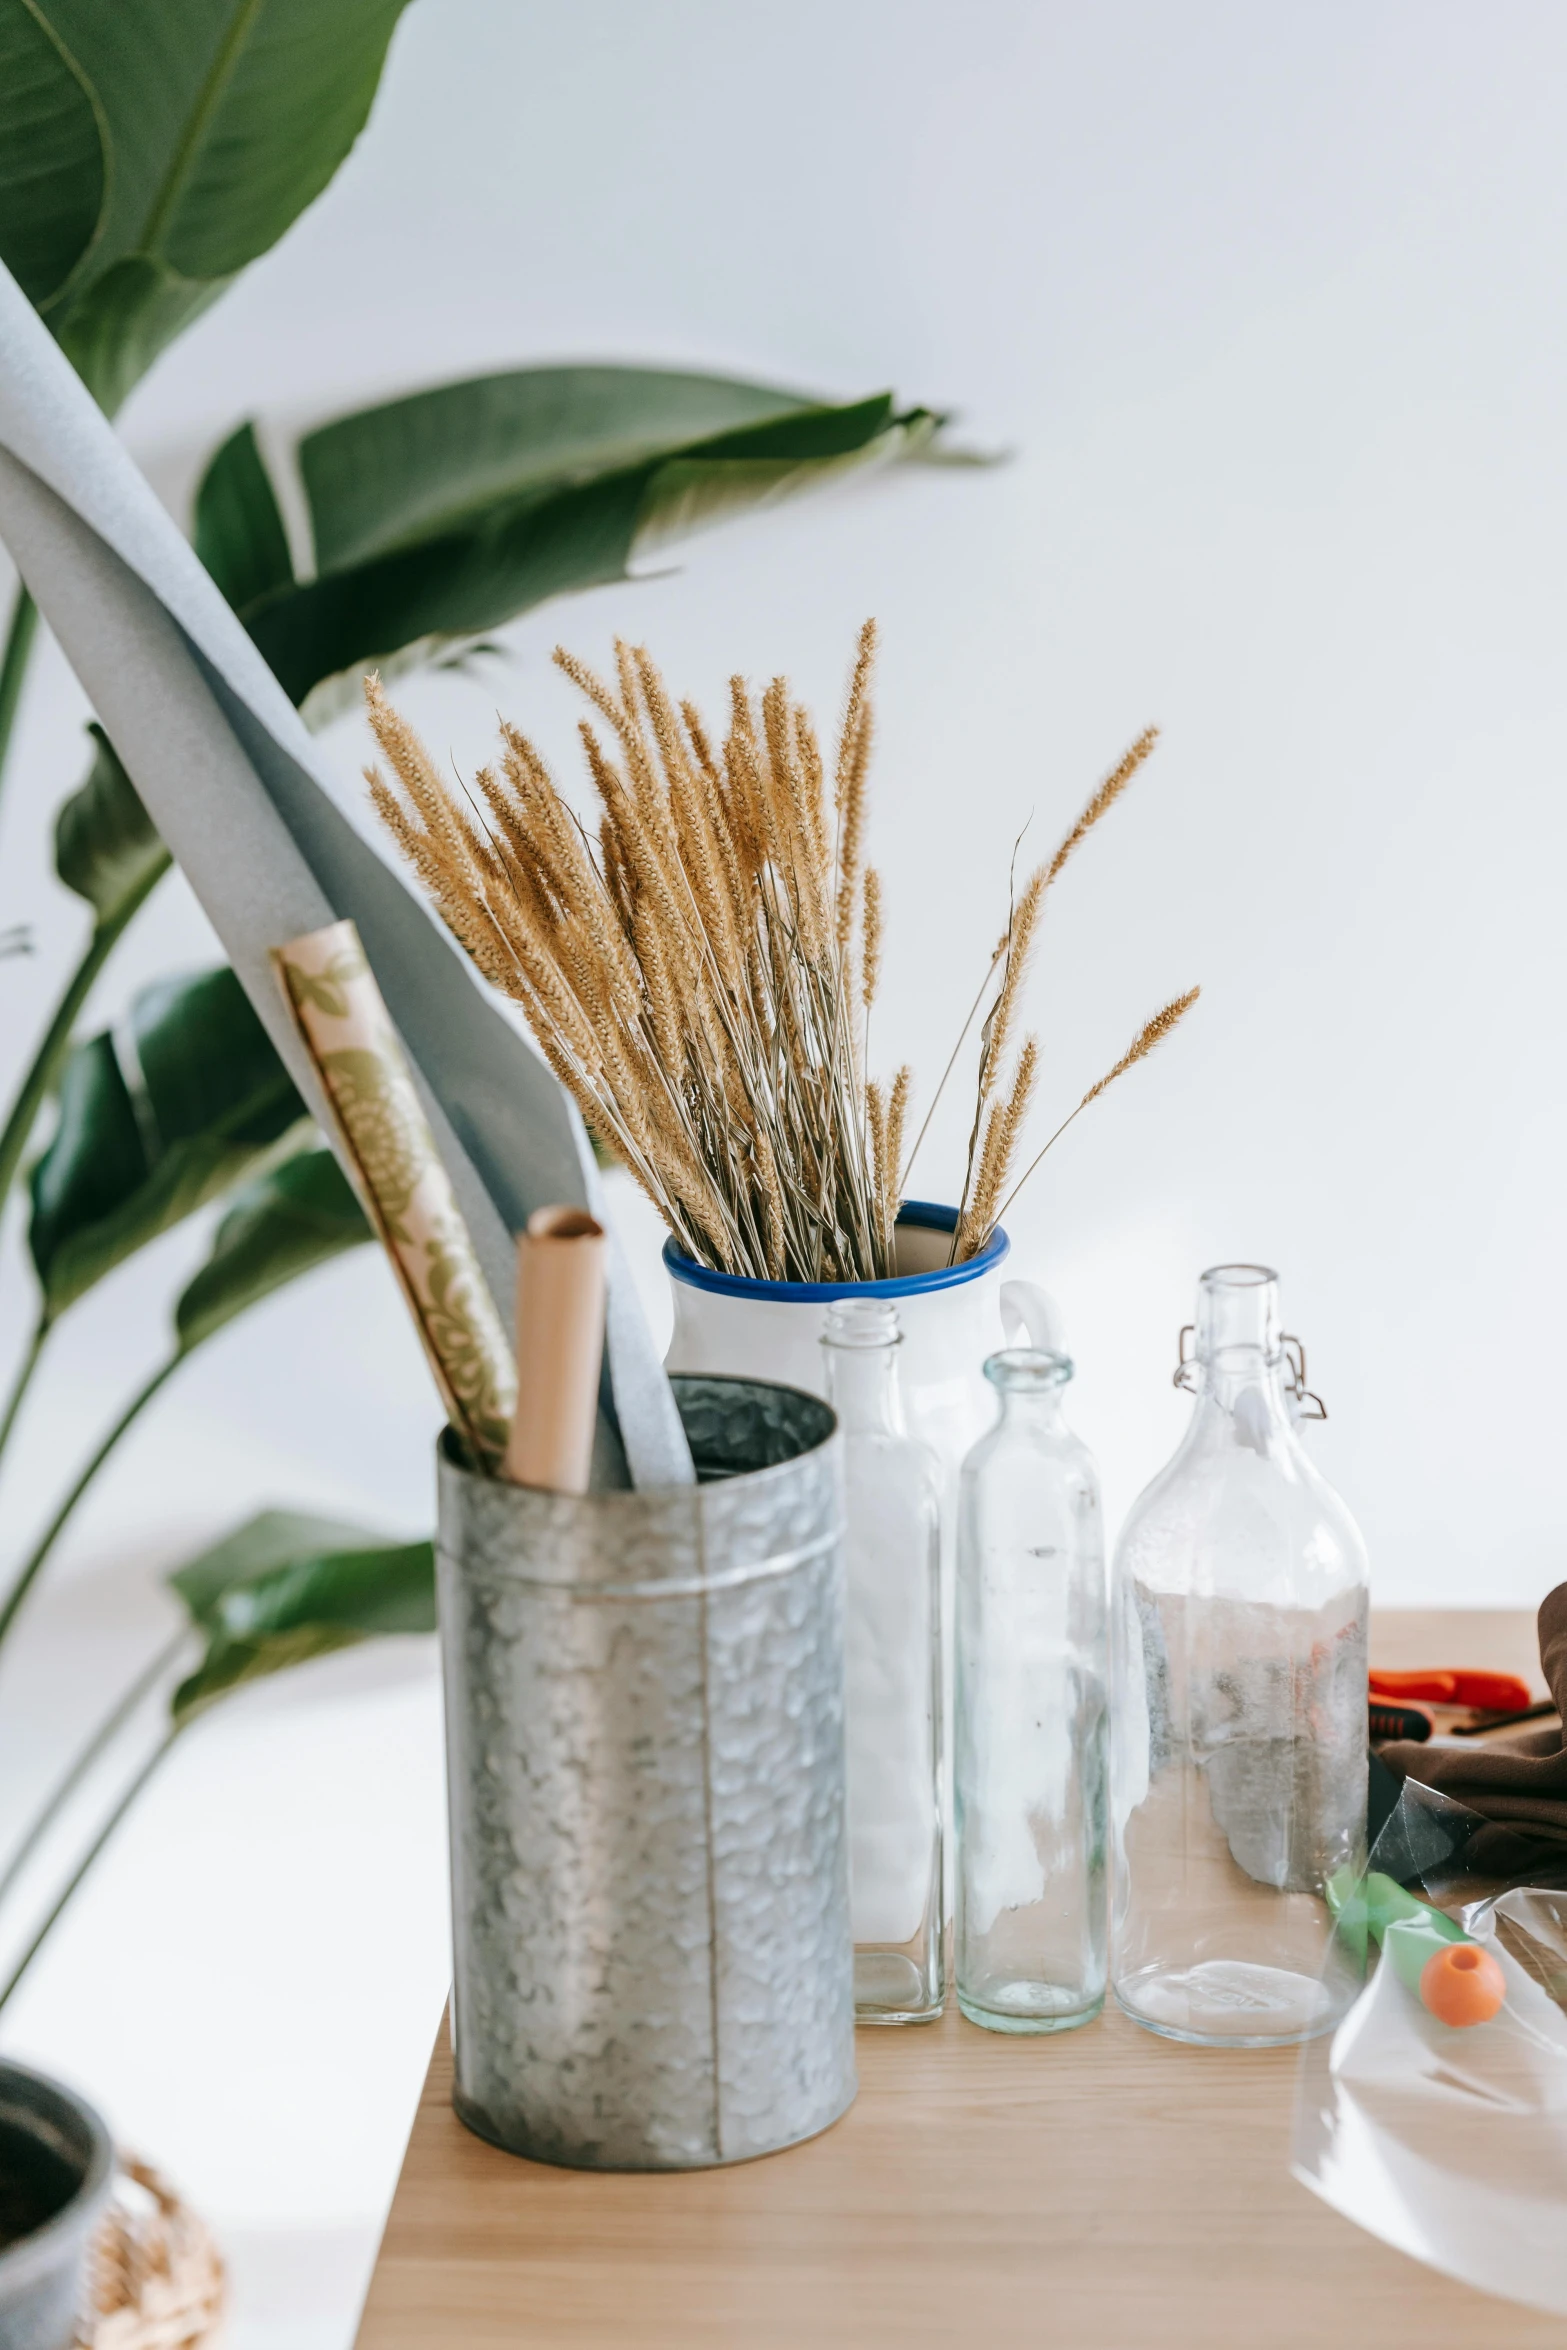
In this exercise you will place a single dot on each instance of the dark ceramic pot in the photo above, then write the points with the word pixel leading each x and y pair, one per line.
pixel 56 2167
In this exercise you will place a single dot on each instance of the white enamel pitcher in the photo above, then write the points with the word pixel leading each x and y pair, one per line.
pixel 952 1317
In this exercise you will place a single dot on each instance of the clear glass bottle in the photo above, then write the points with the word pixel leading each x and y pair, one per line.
pixel 893 1639
pixel 1031 1756
pixel 1239 1741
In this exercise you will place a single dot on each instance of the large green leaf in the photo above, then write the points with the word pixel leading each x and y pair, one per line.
pixel 239 531
pixel 107 851
pixel 264 1543
pixel 105 845
pixel 284 1588
pixel 51 155
pixel 233 1664
pixel 691 490
pixel 371 1588
pixel 149 149
pixel 294 1217
pixel 391 475
pixel 440 516
pixel 153 1125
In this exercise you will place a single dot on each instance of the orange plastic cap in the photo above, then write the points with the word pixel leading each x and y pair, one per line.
pixel 1462 1984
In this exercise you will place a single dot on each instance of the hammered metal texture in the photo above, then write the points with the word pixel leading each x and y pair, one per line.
pixel 644 1709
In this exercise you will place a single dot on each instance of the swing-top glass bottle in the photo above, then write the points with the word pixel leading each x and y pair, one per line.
pixel 1239 1741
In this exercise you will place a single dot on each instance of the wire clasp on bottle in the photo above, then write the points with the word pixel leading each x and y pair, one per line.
pixel 1308 1406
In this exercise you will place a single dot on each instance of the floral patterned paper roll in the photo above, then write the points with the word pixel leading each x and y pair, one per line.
pixel 407 1193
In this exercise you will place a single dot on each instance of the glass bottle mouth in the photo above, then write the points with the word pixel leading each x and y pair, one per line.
pixel 861 1322
pixel 1238 1311
pixel 1027 1370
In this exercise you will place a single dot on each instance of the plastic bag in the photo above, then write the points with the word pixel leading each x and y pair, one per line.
pixel 1447 2140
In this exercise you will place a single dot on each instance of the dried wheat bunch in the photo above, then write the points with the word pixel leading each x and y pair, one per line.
pixel 699 973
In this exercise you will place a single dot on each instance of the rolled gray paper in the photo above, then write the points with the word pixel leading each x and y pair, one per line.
pixel 228 774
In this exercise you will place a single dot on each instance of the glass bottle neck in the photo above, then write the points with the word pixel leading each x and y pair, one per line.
pixel 1024 1410
pixel 1238 1310
pixel 863 1388
pixel 1028 1384
pixel 1241 1369
pixel 1246 1382
pixel 860 1343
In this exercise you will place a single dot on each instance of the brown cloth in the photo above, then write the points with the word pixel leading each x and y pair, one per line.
pixel 1520 1788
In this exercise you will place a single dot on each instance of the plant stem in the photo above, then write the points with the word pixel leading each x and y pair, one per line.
pixel 1033 1163
pixel 107 1731
pixel 85 1863
pixel 138 1404
pixel 24 1377
pixel 908 1164
pixel 56 1042
pixel 13 663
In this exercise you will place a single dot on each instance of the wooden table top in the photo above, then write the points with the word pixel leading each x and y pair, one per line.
pixel 1104 2190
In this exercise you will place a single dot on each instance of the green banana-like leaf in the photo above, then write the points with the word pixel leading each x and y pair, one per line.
pixel 292 1218
pixel 443 515
pixel 51 156
pixel 368 1588
pixel 233 1664
pixel 106 847
pixel 271 1540
pixel 190 1099
pixel 284 1588
pixel 435 460
pixel 149 149
pixel 108 853
pixel 691 491
pixel 239 531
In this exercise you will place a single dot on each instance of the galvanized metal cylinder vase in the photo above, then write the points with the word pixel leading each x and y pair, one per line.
pixel 645 1755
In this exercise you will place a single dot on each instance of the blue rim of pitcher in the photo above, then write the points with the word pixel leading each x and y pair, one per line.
pixel 928 1214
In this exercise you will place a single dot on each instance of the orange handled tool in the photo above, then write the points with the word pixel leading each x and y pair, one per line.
pixel 1492 1693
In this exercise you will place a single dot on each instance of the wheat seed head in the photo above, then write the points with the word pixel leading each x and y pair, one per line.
pixel 1104 799
pixel 897 1114
pixel 1019 948
pixel 1152 1033
pixel 870 935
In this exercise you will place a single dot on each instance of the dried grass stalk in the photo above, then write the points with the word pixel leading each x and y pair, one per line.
pixel 690 968
pixel 876 1124
pixel 897 1111
pixel 870 938
pixel 853 768
pixel 1019 933
pixel 1104 799
pixel 1153 1032
pixel 1002 1135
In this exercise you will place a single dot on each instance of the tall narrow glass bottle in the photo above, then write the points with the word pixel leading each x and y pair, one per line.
pixel 1031 1734
pixel 1239 1744
pixel 893 1637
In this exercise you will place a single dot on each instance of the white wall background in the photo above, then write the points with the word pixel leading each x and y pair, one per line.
pixel 1267 302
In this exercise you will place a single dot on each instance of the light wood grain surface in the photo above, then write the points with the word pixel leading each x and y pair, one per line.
pixel 1099 2191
